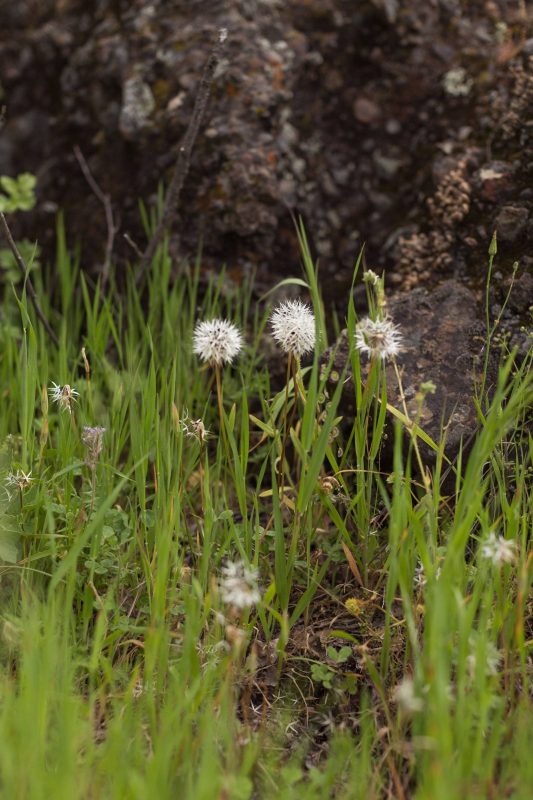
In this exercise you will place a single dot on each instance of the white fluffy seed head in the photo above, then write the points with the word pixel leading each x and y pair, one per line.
pixel 293 327
pixel 217 341
pixel 378 338
pixel 499 550
pixel 238 585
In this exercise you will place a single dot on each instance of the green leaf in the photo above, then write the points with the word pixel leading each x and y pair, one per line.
pixel 9 550
pixel 19 192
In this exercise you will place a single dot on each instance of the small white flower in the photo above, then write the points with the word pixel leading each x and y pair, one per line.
pixel 293 327
pixel 371 277
pixel 217 341
pixel 407 698
pixel 19 479
pixel 499 550
pixel 64 396
pixel 378 338
pixel 420 579
pixel 238 586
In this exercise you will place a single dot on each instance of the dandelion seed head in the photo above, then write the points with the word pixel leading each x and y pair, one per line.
pixel 407 698
pixel 64 396
pixel 217 341
pixel 238 585
pixel 293 327
pixel 378 338
pixel 499 550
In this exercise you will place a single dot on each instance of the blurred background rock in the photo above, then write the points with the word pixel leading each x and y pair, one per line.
pixel 404 125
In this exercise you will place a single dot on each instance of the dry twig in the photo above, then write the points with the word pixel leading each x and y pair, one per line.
pixel 106 202
pixel 184 154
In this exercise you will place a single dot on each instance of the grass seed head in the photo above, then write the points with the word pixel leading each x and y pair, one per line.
pixel 93 439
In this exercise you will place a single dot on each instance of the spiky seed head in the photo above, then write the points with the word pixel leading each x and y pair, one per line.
pixel 293 327
pixel 19 479
pixel 217 341
pixel 64 396
pixel 378 338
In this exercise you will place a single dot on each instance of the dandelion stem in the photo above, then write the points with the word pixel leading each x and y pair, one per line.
pixel 221 411
pixel 285 426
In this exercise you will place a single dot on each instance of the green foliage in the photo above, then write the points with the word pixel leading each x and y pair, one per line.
pixel 30 252
pixel 123 674
pixel 18 193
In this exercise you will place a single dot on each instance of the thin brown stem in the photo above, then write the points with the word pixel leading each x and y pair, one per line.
pixel 221 411
pixel 285 426
pixel 108 210
pixel 184 154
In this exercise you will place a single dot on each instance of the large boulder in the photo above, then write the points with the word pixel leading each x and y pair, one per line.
pixel 378 121
pixel 444 344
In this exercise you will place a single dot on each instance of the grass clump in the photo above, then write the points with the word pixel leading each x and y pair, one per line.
pixel 210 590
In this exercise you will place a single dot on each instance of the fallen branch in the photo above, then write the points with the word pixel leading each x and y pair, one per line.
pixel 106 202
pixel 184 154
pixel 26 275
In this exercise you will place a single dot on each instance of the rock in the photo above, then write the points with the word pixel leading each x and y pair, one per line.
pixel 443 337
pixel 511 223
pixel 333 107
pixel 521 296
pixel 366 111
pixel 496 180
pixel 137 105
pixel 528 47
pixel 387 166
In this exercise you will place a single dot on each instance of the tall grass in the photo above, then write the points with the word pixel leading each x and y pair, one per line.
pixel 122 673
